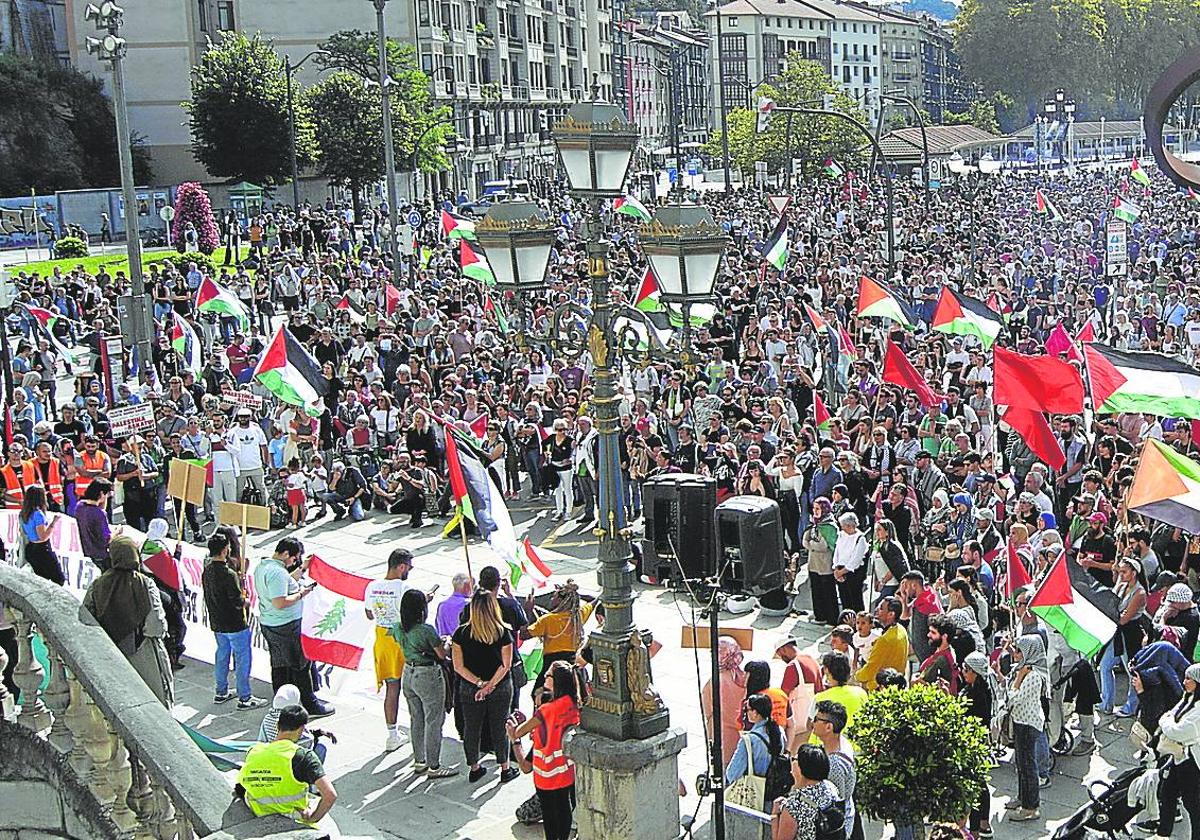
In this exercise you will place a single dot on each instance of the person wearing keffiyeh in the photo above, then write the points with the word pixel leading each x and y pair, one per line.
pixel 732 690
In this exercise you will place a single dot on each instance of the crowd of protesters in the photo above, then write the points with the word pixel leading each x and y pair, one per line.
pixel 894 515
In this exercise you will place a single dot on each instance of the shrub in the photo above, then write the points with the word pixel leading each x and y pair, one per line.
pixel 180 261
pixel 70 248
pixel 192 204
pixel 920 756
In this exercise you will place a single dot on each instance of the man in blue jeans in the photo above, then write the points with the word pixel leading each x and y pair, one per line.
pixel 226 605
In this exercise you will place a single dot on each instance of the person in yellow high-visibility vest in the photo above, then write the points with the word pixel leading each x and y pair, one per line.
pixel 276 775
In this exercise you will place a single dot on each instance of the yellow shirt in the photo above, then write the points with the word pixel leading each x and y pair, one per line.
pixel 889 651
pixel 850 696
pixel 556 632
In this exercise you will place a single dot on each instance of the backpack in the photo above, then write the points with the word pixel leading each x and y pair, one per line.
pixel 831 821
pixel 251 495
pixel 779 773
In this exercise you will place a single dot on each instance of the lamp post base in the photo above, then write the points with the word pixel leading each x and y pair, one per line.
pixel 626 790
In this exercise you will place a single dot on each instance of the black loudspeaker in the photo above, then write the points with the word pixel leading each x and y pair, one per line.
pixel 750 544
pixel 679 521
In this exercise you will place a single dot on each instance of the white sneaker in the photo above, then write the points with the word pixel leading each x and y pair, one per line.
pixel 393 741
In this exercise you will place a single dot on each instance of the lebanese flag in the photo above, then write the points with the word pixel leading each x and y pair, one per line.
pixel 1040 383
pixel 1017 575
pixel 898 370
pixel 1033 428
pixel 334 628
pixel 391 299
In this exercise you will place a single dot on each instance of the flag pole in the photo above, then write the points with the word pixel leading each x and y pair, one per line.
pixel 462 529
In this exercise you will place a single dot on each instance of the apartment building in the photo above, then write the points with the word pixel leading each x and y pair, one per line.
pixel 660 65
pixel 34 28
pixel 945 89
pixel 506 67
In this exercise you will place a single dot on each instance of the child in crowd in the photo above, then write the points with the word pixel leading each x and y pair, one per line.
pixel 318 481
pixel 865 635
pixel 296 497
pixel 841 639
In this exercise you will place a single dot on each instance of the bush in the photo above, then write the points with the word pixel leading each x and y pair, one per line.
pixel 180 261
pixel 70 248
pixel 920 756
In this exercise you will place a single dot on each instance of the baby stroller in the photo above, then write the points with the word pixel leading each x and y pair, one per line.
pixel 1107 813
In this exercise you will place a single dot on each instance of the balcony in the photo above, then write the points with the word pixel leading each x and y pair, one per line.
pixel 855 59
pixel 572 50
pixel 485 141
pixel 516 42
pixel 513 139
pixel 520 93
pixel 903 56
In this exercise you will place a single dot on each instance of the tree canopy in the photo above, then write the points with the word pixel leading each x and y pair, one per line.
pixel 57 130
pixel 813 138
pixel 413 113
pixel 1106 54
pixel 239 116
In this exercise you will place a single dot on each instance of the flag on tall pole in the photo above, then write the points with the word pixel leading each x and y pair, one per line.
pixel 821 416
pixel 456 227
pixel 1043 206
pixel 290 372
pixel 1041 383
pixel 898 370
pixel 214 298
pixel 630 206
pixel 1148 383
pixel 186 343
pixel 1017 575
pixel 43 325
pixel 1166 487
pixel 1137 173
pixel 474 265
pixel 1126 210
pixel 1071 602
pixel 875 300
pixel 832 168
pixel 961 315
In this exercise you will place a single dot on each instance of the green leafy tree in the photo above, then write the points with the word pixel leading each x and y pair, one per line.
pixel 239 117
pixel 57 130
pixel 920 756
pixel 414 116
pixel 812 139
pixel 981 113
pixel 347 121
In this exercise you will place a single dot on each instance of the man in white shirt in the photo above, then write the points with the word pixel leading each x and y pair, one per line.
pixel 382 598
pixel 248 445
pixel 225 469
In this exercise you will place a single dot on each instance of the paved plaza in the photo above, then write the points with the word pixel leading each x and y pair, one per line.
pixel 382 789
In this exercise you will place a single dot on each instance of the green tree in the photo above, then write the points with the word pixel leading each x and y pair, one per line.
pixel 348 125
pixel 239 117
pixel 812 139
pixel 414 115
pixel 57 130
pixel 920 756
pixel 981 113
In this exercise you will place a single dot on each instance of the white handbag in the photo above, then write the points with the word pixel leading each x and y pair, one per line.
pixel 749 791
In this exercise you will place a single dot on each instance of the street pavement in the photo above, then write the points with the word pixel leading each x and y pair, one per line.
pixel 381 787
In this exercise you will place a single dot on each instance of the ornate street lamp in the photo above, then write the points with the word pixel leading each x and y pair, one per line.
pixel 516 237
pixel 596 145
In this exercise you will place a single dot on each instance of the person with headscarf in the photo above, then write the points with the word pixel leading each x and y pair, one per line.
pixel 1178 619
pixel 932 532
pixel 163 567
pixel 960 526
pixel 732 693
pixel 125 602
pixel 850 562
pixel 1029 685
pixel 1181 726
pixel 819 541
pixel 979 690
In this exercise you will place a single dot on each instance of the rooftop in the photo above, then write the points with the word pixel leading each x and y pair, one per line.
pixel 905 143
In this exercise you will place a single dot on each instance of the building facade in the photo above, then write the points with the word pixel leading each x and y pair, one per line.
pixel 507 68
pixel 34 28
pixel 945 89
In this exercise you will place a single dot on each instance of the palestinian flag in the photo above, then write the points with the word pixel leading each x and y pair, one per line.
pixel 474 266
pixel 1125 209
pixel 206 464
pixel 846 343
pixel 456 227
pixel 1138 174
pixel 821 414
pixel 529 566
pixel 289 372
pixel 334 627
pixel 1166 487
pixel 775 250
pixel 961 315
pixel 43 327
pixel 477 496
pixel 832 169
pixel 186 343
pixel 344 304
pixel 489 305
pixel 647 299
pixel 1002 308
pixel 875 300
pixel 211 297
pixel 1143 382
pixel 1191 194
pixel 630 206
pixel 1070 601
pixel 1016 576
pixel 1042 205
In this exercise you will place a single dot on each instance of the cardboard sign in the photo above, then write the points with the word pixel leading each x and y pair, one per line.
pixel 244 516
pixel 229 396
pixel 129 420
pixel 187 482
pixel 697 637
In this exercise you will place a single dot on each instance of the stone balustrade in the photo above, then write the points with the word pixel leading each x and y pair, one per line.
pixel 93 754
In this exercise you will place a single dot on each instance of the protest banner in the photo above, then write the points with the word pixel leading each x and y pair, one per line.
pixel 129 420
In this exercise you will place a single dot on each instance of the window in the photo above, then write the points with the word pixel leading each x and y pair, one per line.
pixel 225 21
pixel 202 8
pixel 835 48
pixel 846 74
pixel 423 12
pixel 732 21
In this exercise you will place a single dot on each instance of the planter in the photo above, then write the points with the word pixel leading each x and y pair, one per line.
pixel 915 831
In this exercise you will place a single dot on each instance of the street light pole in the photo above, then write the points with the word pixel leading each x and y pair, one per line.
pixel 111 48
pixel 721 100
pixel 290 68
pixel 389 151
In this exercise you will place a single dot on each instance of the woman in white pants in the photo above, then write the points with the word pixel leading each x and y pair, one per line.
pixel 560 451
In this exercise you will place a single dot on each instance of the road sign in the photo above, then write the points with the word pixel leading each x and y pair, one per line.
pixel 672 174
pixel 779 203
pixel 414 218
pixel 1116 234
pixel 936 168
pixel 167 213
